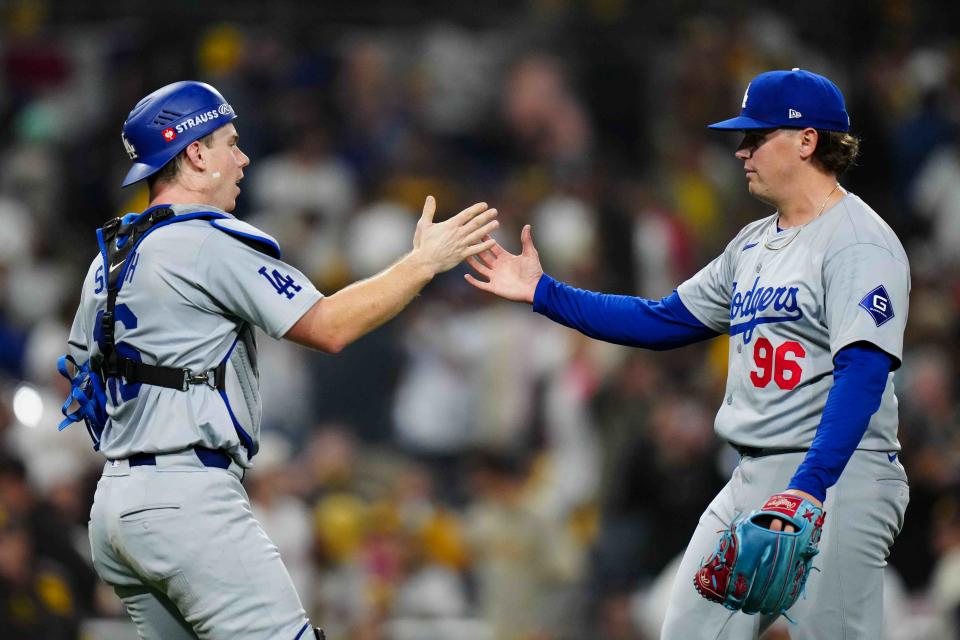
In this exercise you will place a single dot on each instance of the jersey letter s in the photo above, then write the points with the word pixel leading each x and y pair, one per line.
pixel 283 284
pixel 98 278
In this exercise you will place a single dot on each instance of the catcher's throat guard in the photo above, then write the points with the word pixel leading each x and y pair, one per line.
pixel 757 570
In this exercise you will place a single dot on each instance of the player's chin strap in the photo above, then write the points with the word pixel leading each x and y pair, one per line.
pixel 120 237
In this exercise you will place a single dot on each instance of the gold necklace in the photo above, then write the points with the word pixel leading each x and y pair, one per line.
pixel 772 247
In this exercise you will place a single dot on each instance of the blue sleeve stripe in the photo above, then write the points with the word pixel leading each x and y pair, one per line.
pixel 245 439
pixel 859 379
pixel 628 320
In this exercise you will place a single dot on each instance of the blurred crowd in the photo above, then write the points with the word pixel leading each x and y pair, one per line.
pixel 470 470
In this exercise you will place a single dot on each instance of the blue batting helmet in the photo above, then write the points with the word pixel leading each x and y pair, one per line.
pixel 169 119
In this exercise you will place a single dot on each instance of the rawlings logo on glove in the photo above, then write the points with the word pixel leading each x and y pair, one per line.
pixel 757 570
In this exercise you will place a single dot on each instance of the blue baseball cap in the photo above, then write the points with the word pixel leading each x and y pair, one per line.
pixel 796 99
pixel 165 122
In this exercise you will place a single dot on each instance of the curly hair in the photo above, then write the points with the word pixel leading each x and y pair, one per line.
pixel 836 151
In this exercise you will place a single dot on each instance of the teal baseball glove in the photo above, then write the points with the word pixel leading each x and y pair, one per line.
pixel 757 570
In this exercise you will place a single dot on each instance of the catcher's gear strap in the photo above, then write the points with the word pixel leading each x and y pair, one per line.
pixel 87 395
pixel 248 234
pixel 118 240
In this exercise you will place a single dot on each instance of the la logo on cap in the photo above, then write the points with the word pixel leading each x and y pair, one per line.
pixel 131 150
pixel 791 99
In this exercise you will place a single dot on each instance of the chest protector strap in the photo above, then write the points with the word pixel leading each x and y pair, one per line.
pixel 119 241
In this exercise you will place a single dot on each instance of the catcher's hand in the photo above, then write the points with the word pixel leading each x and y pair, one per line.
pixel 759 570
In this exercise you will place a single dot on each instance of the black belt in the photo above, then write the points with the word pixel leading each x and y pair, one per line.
pixel 209 457
pixel 760 452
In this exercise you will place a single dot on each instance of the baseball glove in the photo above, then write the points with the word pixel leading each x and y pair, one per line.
pixel 757 570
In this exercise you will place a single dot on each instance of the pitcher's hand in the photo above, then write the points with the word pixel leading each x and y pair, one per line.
pixel 509 276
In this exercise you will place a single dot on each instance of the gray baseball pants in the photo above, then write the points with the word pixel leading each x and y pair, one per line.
pixel 844 599
pixel 178 543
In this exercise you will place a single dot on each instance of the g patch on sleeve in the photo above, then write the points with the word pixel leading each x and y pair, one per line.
pixel 878 304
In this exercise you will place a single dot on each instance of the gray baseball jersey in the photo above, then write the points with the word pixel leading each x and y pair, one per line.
pixel 190 297
pixel 790 300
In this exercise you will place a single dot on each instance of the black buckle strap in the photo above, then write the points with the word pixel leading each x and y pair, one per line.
pixel 120 240
pixel 171 377
pixel 208 378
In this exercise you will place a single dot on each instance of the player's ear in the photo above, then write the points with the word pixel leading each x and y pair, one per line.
pixel 808 142
pixel 194 153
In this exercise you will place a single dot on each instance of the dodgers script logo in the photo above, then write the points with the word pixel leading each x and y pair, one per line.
pixel 747 306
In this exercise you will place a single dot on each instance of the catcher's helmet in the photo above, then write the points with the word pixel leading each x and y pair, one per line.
pixel 169 119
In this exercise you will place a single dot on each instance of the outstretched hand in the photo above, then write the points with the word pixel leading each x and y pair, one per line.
pixel 509 276
pixel 443 245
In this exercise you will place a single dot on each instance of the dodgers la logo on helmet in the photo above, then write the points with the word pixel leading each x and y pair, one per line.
pixel 165 122
pixel 131 150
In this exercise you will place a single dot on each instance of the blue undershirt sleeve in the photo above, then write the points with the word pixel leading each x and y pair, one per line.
pixel 628 320
pixel 859 378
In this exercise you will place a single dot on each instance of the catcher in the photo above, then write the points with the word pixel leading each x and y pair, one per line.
pixel 164 372
pixel 814 300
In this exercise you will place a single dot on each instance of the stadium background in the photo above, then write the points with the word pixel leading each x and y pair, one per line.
pixel 470 470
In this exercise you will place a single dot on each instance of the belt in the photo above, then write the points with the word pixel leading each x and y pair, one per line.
pixel 209 457
pixel 760 452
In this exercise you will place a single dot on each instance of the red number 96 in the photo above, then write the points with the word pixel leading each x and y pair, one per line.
pixel 774 365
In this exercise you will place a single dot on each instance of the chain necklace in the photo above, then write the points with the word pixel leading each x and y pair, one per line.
pixel 770 243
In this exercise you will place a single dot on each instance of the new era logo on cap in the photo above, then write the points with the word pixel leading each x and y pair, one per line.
pixel 794 99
